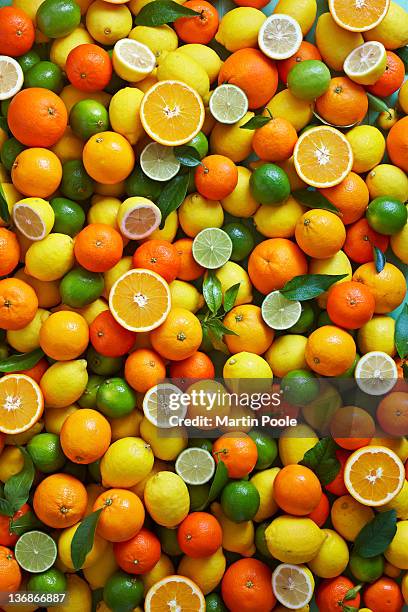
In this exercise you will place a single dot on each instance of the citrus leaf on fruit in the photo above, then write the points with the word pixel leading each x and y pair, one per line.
pixel 379 259
pixel 172 195
pixel 219 481
pixel 4 124
pixel 162 11
pixel 4 209
pixel 230 297
pixel 255 122
pixel 401 332
pixel 6 508
pixel 17 488
pixel 97 597
pixel 402 52
pixel 24 523
pixel 314 199
pixel 23 361
pixel 376 104
pixel 83 539
pixel 352 593
pixel 322 460
pixel 212 292
pixel 308 286
pixel 220 330
pixel 187 156
pixel 376 536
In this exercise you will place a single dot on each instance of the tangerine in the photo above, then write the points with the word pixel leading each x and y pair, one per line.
pixel 60 500
pixel 274 262
pixel 122 516
pixel 139 554
pixel 297 490
pixel 108 337
pixel 391 79
pixel 17 31
pixel 350 304
pixel 198 365
pixel 144 368
pixel 216 177
pixel 9 251
pixel 200 29
pixel 384 595
pixel 189 269
pixel 392 414
pixel 89 68
pixel 238 451
pixel 85 436
pixel 98 247
pixel 10 573
pixel 360 240
pixel 199 535
pixel 344 103
pixel 18 303
pixel 179 336
pixel 160 256
pixel 275 141
pixel 247 586
pixel 351 197
pixel 331 593
pixel 330 351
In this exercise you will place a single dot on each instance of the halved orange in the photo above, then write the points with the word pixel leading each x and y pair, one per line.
pixel 358 16
pixel 374 475
pixel 140 300
pixel 21 403
pixel 323 156
pixel 175 593
pixel 172 113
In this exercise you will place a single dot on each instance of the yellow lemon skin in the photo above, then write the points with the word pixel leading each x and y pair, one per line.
pixel 126 426
pixel 70 95
pixel 185 295
pixel 64 548
pixel 11 462
pixel 240 202
pixel 54 418
pixel 28 338
pixel 246 365
pixel 99 573
pixel 242 541
pixel 238 29
pixel 164 448
pixel 404 587
pixel 332 557
pixel 124 122
pixel 392 32
pixel 294 442
pixel 304 11
pixel 263 482
pixel 399 244
pixel 79 596
pixel 349 516
pixel 29 6
pixel 284 104
pixel 69 147
pixel 64 382
pixel 327 30
pixel 169 231
pixel 387 180
pixel 179 67
pixel 159 39
pixel 399 503
pixel 338 264
pixel 196 213
pixel 287 353
pixel 167 499
pixel 132 452
pixel 104 209
pixel 293 539
pixel 368 146
pixel 403 97
pixel 232 141
pixel 57 250
pixel 377 335
pixel 397 551
pixel 230 274
pixel 108 23
pixel 206 572
pixel 61 47
pixel 158 466
pixel 279 221
pixel 164 567
pixel 207 57
pixel 112 275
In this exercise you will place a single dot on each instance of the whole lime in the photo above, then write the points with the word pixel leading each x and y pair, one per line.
pixel 99 364
pixel 57 18
pixel 266 447
pixel 81 287
pixel 260 540
pixel 242 240
pixel 199 143
pixel 366 570
pixel 46 452
pixel 69 216
pixel 123 592
pixel 45 74
pixel 269 184
pixel 115 398
pixel 214 603
pixel 168 541
pixel 28 60
pixel 386 215
pixel 88 117
pixel 198 496
pixel 300 387
pixel 50 582
pixel 9 151
pixel 204 443
pixel 309 79
pixel 88 398
pixel 138 184
pixel 240 500
pixel 306 320
pixel 76 183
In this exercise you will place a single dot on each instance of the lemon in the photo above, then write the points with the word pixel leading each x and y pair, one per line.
pixel 293 539
pixel 51 258
pixel 164 567
pixel 332 557
pixel 207 572
pixel 167 499
pixel 11 195
pixel 177 66
pixel 124 113
pixel 99 573
pixel 368 146
pixel 169 231
pixel 33 217
pixel 284 104
pixel 108 23
pixel 399 503
pixel 11 462
pixel 294 442
pixel 197 213
pixel 148 82
pixel 240 202
pixel 399 244
pixel 64 548
pixel 112 275
pixel 64 382
pixel 263 482
pixel 377 335
pixel 205 56
pixel 185 295
pixel 304 12
pixel 93 490
pixel 61 47
pixel 239 541
pixel 327 30
pixel 91 311
pixel 392 32
pixel 104 209
pixel 128 425
pixel 387 180
pixel 69 147
pixel 278 221
pixel 25 436
pixel 232 141
pixel 246 365
pixel 28 6
pixel 287 353
pixel 397 552
pixel 349 516
pixel 231 274
pixel 158 466
pixel 403 97
pixel 165 448
pixel 238 29
pixel 137 5
pixel 159 39
pixel 27 338
pixel 338 264
pixel 132 452
pixel 54 418
pixel 366 64
pixel 70 95
pixel 79 596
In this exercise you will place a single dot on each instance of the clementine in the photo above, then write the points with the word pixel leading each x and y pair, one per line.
pixel 360 240
pixel 297 490
pixel 200 29
pixel 351 197
pixel 330 351
pixel 60 500
pixel 344 103
pixel 98 247
pixel 274 262
pixel 89 68
pixel 108 337
pixel 160 256
pixel 18 303
pixel 275 141
pixel 350 304
pixel 320 233
pixel 179 336
pixel 122 516
pixel 199 535
pixel 85 436
pixel 247 586
pixel 238 451
pixel 139 554
pixel 143 369
pixel 216 177
pixel 9 251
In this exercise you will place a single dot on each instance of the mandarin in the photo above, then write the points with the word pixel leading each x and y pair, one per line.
pixel 122 516
pixel 10 573
pixel 108 337
pixel 198 365
pixel 247 586
pixel 89 68
pixel 391 79
pixel 344 103
pixel 252 333
pixel 216 177
pixel 306 51
pixel 330 351
pixel 275 141
pixel 36 172
pixel 397 144
pixel 274 262
pixel 17 31
pixel 179 336
pixel 350 304
pixel 360 240
pixel 189 269
pixel 60 500
pixel 200 29
pixel 320 233
pixel 199 535
pixel 297 490
pixel 139 554
pixel 238 451
pixel 98 247
pixel 159 256
pixel 85 436
pixel 9 251
pixel 144 368
pixel 18 303
pixel 351 197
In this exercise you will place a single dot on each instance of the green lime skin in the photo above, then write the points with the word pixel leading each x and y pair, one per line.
pixel 240 500
pixel 46 75
pixel 198 496
pixel 366 570
pixel 242 240
pixel 115 398
pixel 76 183
pixel 168 541
pixel 309 79
pixel 57 18
pixel 266 447
pixel 123 592
pixel 203 443
pixel 386 215
pixel 214 603
pixel 300 387
pixel 260 540
pixel 88 398
pixel 28 60
pixel 138 184
pixel 81 287
pixel 270 185
pixel 50 582
pixel 9 151
pixel 46 452
pixel 199 143
pixel 69 216
pixel 94 470
pixel 104 366
pixel 306 321
pixel 88 117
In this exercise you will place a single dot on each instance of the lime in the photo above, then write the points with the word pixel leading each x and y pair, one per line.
pixel 260 540
pixel 305 321
pixel 300 387
pixel 35 551
pixel 123 592
pixel 280 313
pixel 199 143
pixel 204 443
pixel 94 470
pixel 228 103
pixel 309 79
pixel 138 184
pixel 242 240
pixel 212 248
pixel 266 447
pixel 81 287
pixel 115 398
pixel 99 364
pixel 214 603
pixel 46 75
pixel 57 18
pixel 88 398
pixel 9 151
pixel 168 541
pixel 69 216
pixel 28 60
pixel 76 184
pixel 240 500
pixel 46 452
pixel 159 162
pixel 269 184
pixel 88 117
pixel 52 581
pixel 198 496
pixel 386 215
pixel 366 570
pixel 195 466
pixel 350 372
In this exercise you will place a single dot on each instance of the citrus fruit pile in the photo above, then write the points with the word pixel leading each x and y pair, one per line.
pixel 195 201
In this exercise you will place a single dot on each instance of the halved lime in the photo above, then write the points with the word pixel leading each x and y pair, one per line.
pixel 228 103
pixel 35 551
pixel 11 77
pixel 195 466
pixel 161 402
pixel 280 36
pixel 376 373
pixel 293 585
pixel 159 162
pixel 280 313
pixel 212 248
pixel 366 63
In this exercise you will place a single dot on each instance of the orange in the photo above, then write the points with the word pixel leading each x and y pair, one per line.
pixel 17 32
pixel 85 436
pixel 275 141
pixel 139 554
pixel 391 80
pixel 388 286
pixel 60 500
pixel 397 144
pixel 36 172
pixel 247 586
pixel 250 70
pixel 10 573
pixel 108 337
pixel 64 335
pixel 179 336
pixel 88 68
pixel 200 29
pixel 122 516
pixel 9 251
pixel 320 233
pixel 108 158
pixel 344 103
pixel 238 451
pixel 384 595
pixel 175 588
pixel 160 256
pixel 297 490
pixel 18 303
pixel 360 240
pixel 6 537
pixel 330 351
pixel 321 513
pixel 356 17
pixel 352 427
pixel 198 365
pixel 144 369
pixel 37 371
pixel 199 535
pixel 21 403
pixel 330 595
pixel 351 197
pixel 216 177
pixel 98 247
pixel 306 51
pixel 337 486
pixel 189 269
pixel 253 335
pixel 350 304
pixel 392 413
pixel 274 262
pixel 37 117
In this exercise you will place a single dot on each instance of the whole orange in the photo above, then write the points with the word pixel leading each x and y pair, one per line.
pixel 216 177
pixel 397 144
pixel 139 554
pixel 199 535
pixel 18 303
pixel 275 141
pixel 64 335
pixel 143 369
pixel 351 197
pixel 352 427
pixel 331 593
pixel 391 79
pixel 108 158
pixel 189 269
pixel 384 595
pixel 85 436
pixel 274 262
pixel 297 490
pixel 108 337
pixel 122 516
pixel 9 251
pixel 344 103
pixel 350 304
pixel 10 573
pixel 17 31
pixel 179 336
pixel 36 172
pixel 247 586
pixel 320 233
pixel 360 240
pixel 330 351
pixel 321 513
pixel 60 500
pixel 198 365
pixel 392 413
pixel 252 333
pixel 306 51
pixel 98 247
pixel 89 67
pixel 160 256
pixel 238 451
pixel 388 286
pixel 200 29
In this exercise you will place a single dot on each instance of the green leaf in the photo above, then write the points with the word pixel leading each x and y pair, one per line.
pixel 349 608
pixel 219 329
pixel 309 286
pixel 187 156
pixel 405 370
pixel 230 297
pixel 162 11
pixel 402 52
pixel 322 460
pixel 97 597
pixel 212 292
pixel 4 209
pixel 17 488
pixel 83 539
pixel 352 593
pixel 376 104
pixel 23 361
pixel 314 199
pixel 376 536
pixel 216 339
pixel 173 194
pixel 24 523
pixel 3 124
pixel 219 482
pixel 6 508
pixel 401 332
pixel 255 122
pixel 379 259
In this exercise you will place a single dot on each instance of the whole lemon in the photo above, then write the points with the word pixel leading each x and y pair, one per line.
pixel 99 572
pixel 231 274
pixel 304 12
pixel 178 66
pixel 238 29
pixel 349 516
pixel 284 104
pixel 399 503
pixel 185 295
pixel 167 499
pixel 233 142
pixel 293 539
pixel 108 23
pixel 61 47
pixel 368 146
pixel 28 338
pixel 196 213
pixel 327 31
pixel 55 418
pixel 240 202
pixel 287 353
pixel 332 557
pixel 165 448
pixel 392 31
pixel 132 452
pixel 278 221
pixel 159 39
pixel 239 541
pixel 205 56
pixel 79 596
pixel 397 552
pixel 124 113
pixel 207 572
pixel 51 258
pixel 164 567
pixel 11 462
pixel 387 180
pixel 263 482
pixel 377 335
pixel 399 244
pixel 64 382
pixel 294 442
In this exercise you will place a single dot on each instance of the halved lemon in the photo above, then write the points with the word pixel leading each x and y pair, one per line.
pixel 293 585
pixel 11 77
pixel 358 15
pixel 175 593
pixel 172 113
pixel 366 63
pixel 161 402
pixel 280 36
pixel 132 60
pixel 323 156
pixel 34 217
pixel 376 373
pixel 138 217
pixel 374 475
pixel 140 300
pixel 21 403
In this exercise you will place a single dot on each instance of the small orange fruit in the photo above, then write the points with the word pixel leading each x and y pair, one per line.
pixel 320 233
pixel 199 535
pixel 10 573
pixel 36 172
pixel 85 436
pixel 331 593
pixel 139 554
pixel 198 365
pixel 351 197
pixel 391 80
pixel 306 51
pixel 247 586
pixel 98 247
pixel 321 513
pixel 108 158
pixel 253 335
pixel 344 103
pixel 360 240
pixel 238 451
pixel 388 286
pixel 89 67
pixel 297 490
pixel 9 251
pixel 18 303
pixel 108 337
pixel 179 336
pixel 384 594
pixel 216 177
pixel 330 351
pixel 17 34
pixel 144 369
pixel 397 144
pixel 189 269
pixel 352 427
pixel 200 29
pixel 275 141
pixel 37 371
pixel 60 500
pixel 350 304
pixel 122 516
pixel 64 335
pixel 160 256
pixel 392 413
pixel 274 262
